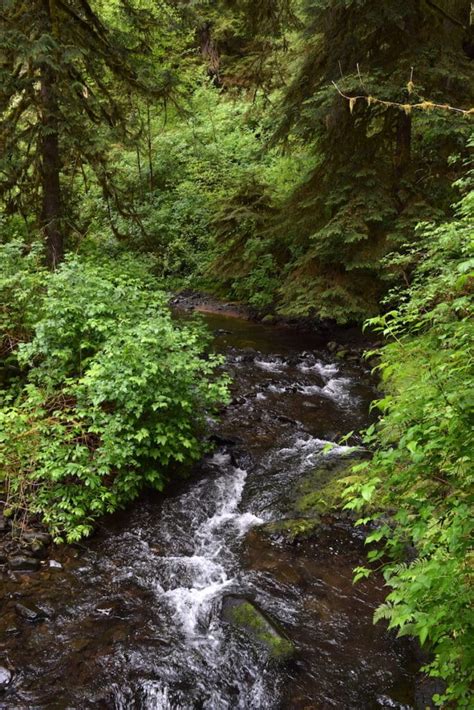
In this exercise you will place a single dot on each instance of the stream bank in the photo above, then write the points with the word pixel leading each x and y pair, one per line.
pixel 135 617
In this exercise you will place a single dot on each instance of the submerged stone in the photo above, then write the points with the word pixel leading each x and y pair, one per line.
pixel 246 616
pixel 31 615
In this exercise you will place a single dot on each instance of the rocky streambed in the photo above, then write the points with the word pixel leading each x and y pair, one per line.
pixel 235 589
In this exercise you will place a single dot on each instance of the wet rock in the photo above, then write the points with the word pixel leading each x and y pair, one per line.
pixel 37 536
pixel 221 331
pixel 5 677
pixel 22 563
pixel 223 440
pixel 269 319
pixel 79 644
pixel 32 614
pixel 55 564
pixel 37 549
pixel 248 354
pixel 285 419
pixel 4 524
pixel 237 401
pixel 332 346
pixel 290 530
pixel 246 616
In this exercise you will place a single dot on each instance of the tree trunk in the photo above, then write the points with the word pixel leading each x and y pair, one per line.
pixel 50 164
pixel 403 144
pixel 210 53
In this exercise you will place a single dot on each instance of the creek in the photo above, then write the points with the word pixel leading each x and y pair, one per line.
pixel 133 618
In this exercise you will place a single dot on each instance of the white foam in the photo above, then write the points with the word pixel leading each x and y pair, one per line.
pixel 270 365
pixel 338 390
pixel 206 571
pixel 325 370
pixel 155 696
pixel 308 449
pixel 277 389
pixel 310 389
pixel 220 459
pixel 188 603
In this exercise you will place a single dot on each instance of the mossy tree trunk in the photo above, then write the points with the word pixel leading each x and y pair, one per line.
pixel 210 52
pixel 50 158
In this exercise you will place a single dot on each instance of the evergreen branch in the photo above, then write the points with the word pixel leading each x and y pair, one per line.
pixel 109 55
pixel 446 14
pixel 90 14
pixel 100 40
pixel 115 110
pixel 94 115
pixel 421 105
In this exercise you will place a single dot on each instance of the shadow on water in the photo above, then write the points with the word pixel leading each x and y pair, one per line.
pixel 133 619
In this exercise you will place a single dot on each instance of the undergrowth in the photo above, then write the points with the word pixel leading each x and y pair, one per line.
pixel 421 473
pixel 107 394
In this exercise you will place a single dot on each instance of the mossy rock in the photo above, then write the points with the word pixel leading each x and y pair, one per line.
pixel 318 493
pixel 322 501
pixel 291 528
pixel 245 615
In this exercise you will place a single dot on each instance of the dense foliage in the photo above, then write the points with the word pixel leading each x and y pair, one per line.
pixel 376 170
pixel 297 155
pixel 114 394
pixel 421 471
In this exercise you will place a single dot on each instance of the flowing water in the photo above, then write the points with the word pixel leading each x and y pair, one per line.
pixel 133 618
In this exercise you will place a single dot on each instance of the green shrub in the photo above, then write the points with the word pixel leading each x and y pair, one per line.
pixel 22 281
pixel 421 472
pixel 117 396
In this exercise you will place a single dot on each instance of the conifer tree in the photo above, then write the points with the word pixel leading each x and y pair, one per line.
pixel 241 40
pixel 379 169
pixel 68 70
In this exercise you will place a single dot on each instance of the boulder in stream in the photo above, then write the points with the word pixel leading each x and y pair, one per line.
pixel 5 677
pixel 247 616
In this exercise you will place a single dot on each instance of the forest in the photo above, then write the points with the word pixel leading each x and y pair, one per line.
pixel 308 165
